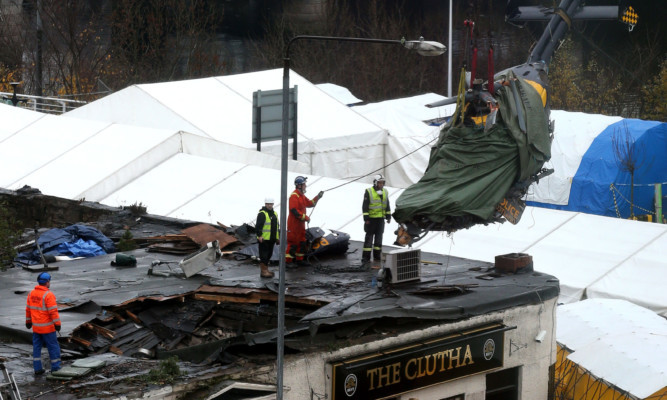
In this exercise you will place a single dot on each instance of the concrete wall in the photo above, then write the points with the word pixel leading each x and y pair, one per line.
pixel 301 374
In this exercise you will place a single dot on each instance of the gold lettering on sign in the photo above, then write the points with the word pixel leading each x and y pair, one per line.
pixel 397 372
pixel 419 367
pixel 383 374
pixel 443 356
pixel 408 374
pixel 420 370
pixel 453 357
pixel 370 374
pixel 387 375
pixel 430 370
pixel 467 358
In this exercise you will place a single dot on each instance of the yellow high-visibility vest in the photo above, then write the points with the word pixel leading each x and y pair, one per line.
pixel 377 205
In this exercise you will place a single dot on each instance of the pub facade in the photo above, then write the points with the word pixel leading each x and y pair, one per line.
pixel 505 354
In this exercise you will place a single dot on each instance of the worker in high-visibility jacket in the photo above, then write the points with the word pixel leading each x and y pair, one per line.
pixel 376 210
pixel 41 314
pixel 296 221
pixel 268 234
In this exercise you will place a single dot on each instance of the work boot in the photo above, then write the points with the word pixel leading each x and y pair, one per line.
pixel 264 271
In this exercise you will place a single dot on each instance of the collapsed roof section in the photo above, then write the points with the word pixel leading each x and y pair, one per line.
pixel 217 314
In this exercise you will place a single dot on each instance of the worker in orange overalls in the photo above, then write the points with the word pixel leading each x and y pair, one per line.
pixel 41 314
pixel 296 221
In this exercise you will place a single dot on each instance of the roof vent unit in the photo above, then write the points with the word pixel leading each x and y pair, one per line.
pixel 404 265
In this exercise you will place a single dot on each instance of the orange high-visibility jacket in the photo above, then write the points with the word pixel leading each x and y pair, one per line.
pixel 296 221
pixel 42 310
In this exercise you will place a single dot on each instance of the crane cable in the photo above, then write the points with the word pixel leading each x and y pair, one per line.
pixel 385 166
pixel 460 103
pixel 356 179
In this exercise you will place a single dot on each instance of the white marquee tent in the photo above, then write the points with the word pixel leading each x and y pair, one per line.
pixel 187 175
pixel 15 118
pixel 574 133
pixel 410 139
pixel 85 159
pixel 332 139
pixel 592 256
pixel 335 140
pixel 612 340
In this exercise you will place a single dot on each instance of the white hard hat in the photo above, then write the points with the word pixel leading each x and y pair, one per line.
pixel 268 200
pixel 378 178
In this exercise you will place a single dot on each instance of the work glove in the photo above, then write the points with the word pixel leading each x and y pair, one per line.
pixel 320 194
pixel 28 325
pixel 260 239
pixel 58 328
pixel 388 218
pixel 306 218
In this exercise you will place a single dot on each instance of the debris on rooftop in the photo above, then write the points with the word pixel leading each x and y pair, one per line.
pixel 192 291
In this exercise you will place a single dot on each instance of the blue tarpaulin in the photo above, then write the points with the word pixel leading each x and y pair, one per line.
pixel 602 187
pixel 74 241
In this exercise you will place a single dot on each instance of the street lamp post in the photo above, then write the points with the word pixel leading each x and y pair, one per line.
pixel 422 47
pixel 15 100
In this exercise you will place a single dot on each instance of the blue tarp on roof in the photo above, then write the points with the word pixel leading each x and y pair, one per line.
pixel 599 169
pixel 75 241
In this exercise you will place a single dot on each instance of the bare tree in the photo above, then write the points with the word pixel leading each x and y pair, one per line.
pixel 372 71
pixel 116 42
pixel 163 40
pixel 61 56
pixel 629 158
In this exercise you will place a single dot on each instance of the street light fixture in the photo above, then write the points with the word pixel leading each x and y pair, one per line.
pixel 15 100
pixel 422 47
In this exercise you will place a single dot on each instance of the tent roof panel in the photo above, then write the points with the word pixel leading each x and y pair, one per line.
pixel 574 133
pixel 209 106
pixel 237 199
pixel 341 94
pixel 320 115
pixel 587 247
pixel 184 177
pixel 92 160
pixel 618 341
pixel 134 106
pixel 498 239
pixel 221 108
pixel 640 279
pixel 15 118
pixel 405 117
pixel 40 143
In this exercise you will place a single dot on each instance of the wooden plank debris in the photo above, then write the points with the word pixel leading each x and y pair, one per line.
pixel 205 233
pixel 190 240
pixel 99 330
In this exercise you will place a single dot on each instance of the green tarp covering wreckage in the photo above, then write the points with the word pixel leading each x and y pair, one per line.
pixel 471 169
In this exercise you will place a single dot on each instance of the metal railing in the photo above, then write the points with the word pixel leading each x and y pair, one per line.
pixel 50 105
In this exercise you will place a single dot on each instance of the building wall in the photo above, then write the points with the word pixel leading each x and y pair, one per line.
pixel 314 371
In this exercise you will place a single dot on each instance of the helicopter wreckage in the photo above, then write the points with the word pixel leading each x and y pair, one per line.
pixel 499 138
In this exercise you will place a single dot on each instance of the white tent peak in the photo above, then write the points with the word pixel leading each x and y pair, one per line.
pixel 340 93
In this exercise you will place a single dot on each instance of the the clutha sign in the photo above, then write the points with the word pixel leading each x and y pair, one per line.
pixel 418 365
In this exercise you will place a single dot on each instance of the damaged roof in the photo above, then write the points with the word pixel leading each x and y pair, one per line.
pixel 152 311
